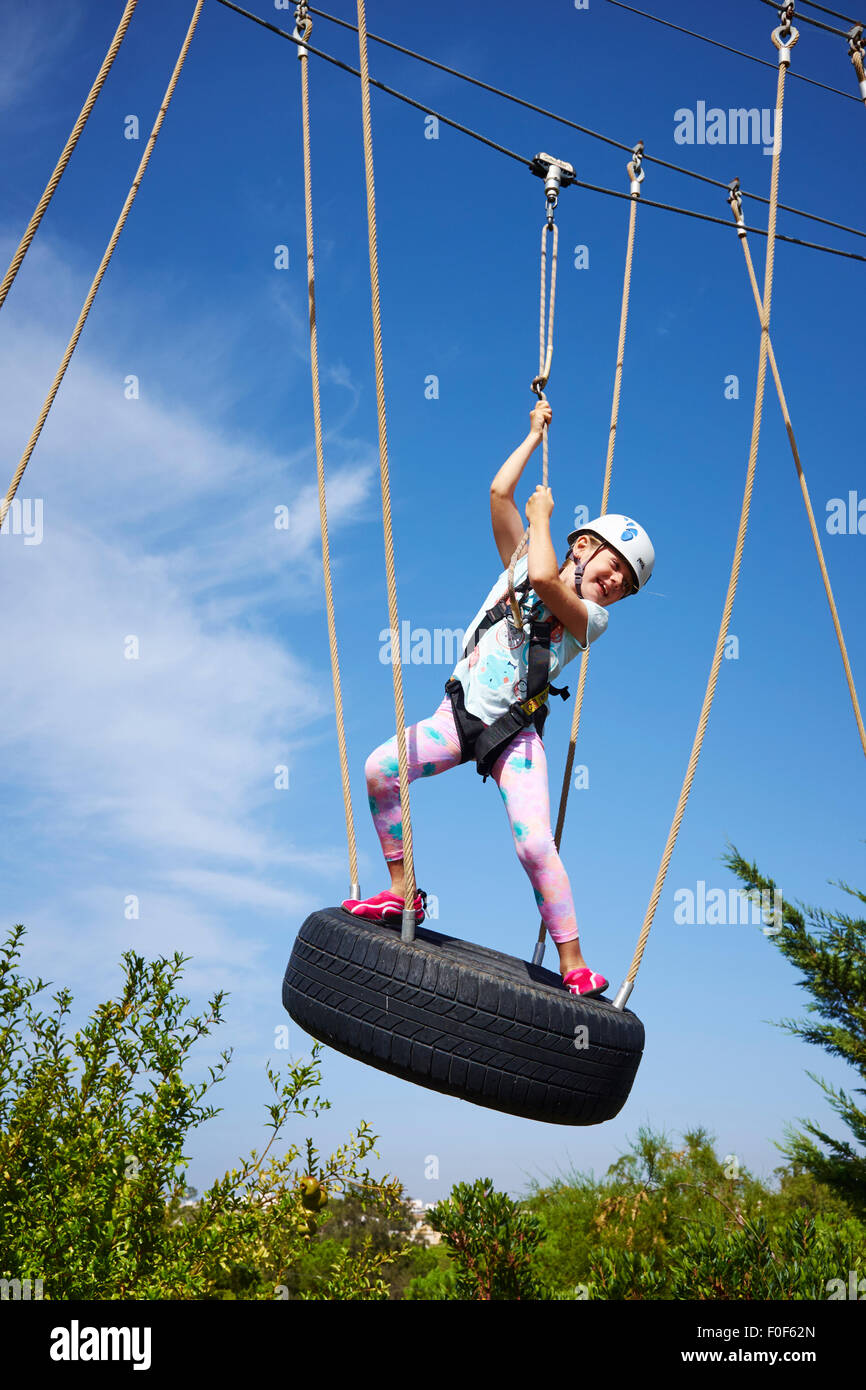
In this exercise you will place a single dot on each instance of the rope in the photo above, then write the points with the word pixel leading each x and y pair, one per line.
pixel 521 159
pixel 545 358
pixel 611 440
pixel 355 891
pixel 408 925
pixel 805 491
pixel 766 304
pixel 66 154
pixel 97 280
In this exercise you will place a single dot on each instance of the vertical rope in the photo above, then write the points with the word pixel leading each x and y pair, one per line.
pixel 408 925
pixel 545 359
pixel 97 280
pixel 355 891
pixel 808 504
pixel 611 442
pixel 766 304
pixel 66 154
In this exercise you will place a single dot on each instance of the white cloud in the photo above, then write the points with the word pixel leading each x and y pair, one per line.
pixel 31 41
pixel 159 525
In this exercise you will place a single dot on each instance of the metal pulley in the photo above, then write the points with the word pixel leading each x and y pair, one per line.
pixel 557 173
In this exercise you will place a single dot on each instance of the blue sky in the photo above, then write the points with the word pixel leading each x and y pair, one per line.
pixel 154 777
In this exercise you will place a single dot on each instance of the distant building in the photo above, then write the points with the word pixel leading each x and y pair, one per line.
pixel 421 1231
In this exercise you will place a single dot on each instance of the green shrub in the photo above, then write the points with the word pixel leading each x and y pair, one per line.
pixel 492 1241
pixel 93 1129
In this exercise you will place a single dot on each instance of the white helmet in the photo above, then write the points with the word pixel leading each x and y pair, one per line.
pixel 627 538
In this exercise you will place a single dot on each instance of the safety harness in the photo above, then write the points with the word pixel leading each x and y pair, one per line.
pixel 485 742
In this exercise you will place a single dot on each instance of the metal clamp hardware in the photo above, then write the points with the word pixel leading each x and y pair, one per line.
pixel 857 52
pixel 622 994
pixel 786 35
pixel 303 26
pixel 635 169
pixel 735 198
pixel 557 173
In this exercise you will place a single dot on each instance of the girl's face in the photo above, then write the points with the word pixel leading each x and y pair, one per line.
pixel 606 577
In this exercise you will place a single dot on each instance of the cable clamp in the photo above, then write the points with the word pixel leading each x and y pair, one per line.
pixel 735 198
pixel 303 27
pixel 635 169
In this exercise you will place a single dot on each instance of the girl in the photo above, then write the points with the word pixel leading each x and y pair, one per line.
pixel 495 704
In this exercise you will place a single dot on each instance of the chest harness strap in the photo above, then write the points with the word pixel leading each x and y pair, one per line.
pixel 485 742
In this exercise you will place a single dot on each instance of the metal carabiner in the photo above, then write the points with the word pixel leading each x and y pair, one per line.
pixel 786 35
pixel 302 34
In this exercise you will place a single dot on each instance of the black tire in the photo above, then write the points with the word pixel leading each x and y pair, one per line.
pixel 461 1019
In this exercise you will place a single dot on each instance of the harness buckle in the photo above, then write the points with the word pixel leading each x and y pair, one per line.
pixel 530 706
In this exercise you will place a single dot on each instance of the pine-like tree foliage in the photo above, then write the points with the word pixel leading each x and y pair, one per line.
pixel 829 948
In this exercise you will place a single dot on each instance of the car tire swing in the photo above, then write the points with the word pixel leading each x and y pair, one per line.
pixel 462 1019
pixel 456 1017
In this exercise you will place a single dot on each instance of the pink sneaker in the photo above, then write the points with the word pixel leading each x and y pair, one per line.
pixel 585 982
pixel 385 907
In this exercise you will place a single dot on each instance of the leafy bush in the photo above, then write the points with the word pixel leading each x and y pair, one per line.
pixel 492 1241
pixel 681 1223
pixel 92 1165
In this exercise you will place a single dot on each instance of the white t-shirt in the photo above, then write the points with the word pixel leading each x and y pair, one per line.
pixel 495 674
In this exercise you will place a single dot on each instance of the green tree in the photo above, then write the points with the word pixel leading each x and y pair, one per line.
pixel 93 1128
pixel 829 948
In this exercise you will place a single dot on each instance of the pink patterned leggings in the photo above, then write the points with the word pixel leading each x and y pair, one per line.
pixel 520 773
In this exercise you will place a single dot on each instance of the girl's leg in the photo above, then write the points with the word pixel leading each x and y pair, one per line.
pixel 521 775
pixel 432 746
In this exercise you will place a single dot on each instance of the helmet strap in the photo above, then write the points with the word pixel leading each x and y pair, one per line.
pixel 580 565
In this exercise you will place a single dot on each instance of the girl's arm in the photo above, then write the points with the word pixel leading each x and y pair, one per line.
pixel 554 593
pixel 507 523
